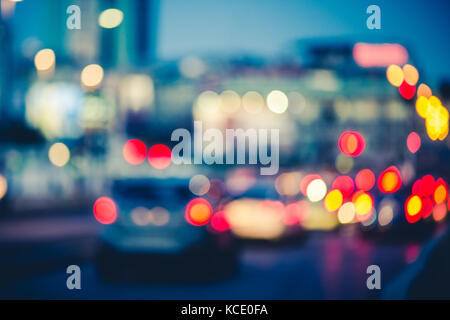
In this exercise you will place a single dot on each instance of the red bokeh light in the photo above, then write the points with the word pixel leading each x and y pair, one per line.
pixel 427 207
pixel 416 188
pixel 351 143
pixel 368 55
pixel 219 222
pixel 160 156
pixel 134 152
pixel 344 184
pixel 365 180
pixel 406 90
pixel 198 212
pixel 105 210
pixel 427 186
pixel 413 142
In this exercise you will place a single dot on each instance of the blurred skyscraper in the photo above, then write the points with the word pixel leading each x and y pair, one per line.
pixel 133 43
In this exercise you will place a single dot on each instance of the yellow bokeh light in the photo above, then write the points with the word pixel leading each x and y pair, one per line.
pixel 411 74
pixel 316 190
pixel 395 75
pixel 422 106
pixel 110 18
pixel 277 101
pixel 333 200
pixel 414 205
pixel 44 60
pixel 59 154
pixel 92 76
pixel 363 204
pixel 437 121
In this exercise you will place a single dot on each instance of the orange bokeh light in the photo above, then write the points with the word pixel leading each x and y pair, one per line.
pixel 389 181
pixel 198 212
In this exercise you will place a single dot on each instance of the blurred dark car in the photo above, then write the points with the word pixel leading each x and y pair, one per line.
pixel 152 241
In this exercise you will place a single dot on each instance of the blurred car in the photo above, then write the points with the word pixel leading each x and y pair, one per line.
pixel 256 215
pixel 151 239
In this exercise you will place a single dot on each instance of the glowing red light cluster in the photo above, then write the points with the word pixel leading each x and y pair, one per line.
pixel 432 195
pixel 159 156
pixel 352 143
pixel 345 185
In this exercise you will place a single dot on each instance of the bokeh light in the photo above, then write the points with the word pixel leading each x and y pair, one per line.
pixel 395 75
pixel 346 213
pixel 288 183
pixel 219 221
pixel 439 212
pixel 59 154
pixel 413 206
pixel 253 102
pixel 413 142
pixel 92 76
pixel 105 210
pixel 363 203
pixel 160 156
pixel 440 193
pixel 365 179
pixel 344 184
pixel 389 181
pixel 306 180
pixel 3 186
pixel 198 212
pixel 424 91
pixel 141 216
pixel 159 216
pixel 406 90
pixel 351 143
pixel 411 74
pixel 134 152
pixel 199 185
pixel 277 101
pixel 316 190
pixel 333 200
pixel 44 59
pixel 110 18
